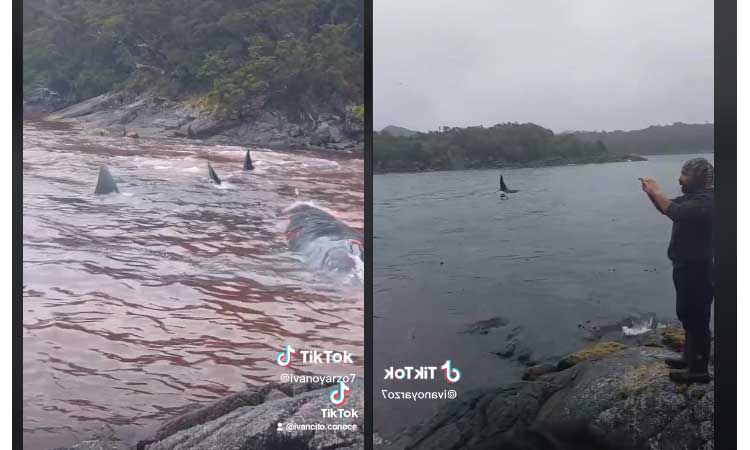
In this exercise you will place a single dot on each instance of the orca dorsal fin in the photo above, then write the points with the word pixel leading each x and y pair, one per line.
pixel 212 174
pixel 503 187
pixel 248 164
pixel 105 184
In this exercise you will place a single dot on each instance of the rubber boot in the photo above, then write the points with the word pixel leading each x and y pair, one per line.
pixel 689 376
pixel 697 358
pixel 680 362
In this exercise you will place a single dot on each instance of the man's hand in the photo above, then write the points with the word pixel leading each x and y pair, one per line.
pixel 649 186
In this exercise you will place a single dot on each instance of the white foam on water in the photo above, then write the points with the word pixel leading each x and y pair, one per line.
pixel 321 164
pixel 358 274
pixel 224 185
pixel 639 328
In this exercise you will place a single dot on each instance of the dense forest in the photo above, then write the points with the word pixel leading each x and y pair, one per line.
pixel 241 56
pixel 480 147
pixel 655 140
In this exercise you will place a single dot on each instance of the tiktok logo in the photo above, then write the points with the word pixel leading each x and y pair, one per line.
pixel 338 395
pixel 452 374
pixel 284 358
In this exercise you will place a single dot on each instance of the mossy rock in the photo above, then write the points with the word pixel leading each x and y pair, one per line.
pixel 534 372
pixel 594 352
pixel 674 338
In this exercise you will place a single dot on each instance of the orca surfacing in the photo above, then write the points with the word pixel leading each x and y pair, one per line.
pixel 504 188
pixel 105 184
pixel 212 175
pixel 248 164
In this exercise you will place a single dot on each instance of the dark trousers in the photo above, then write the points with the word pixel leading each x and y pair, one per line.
pixel 695 292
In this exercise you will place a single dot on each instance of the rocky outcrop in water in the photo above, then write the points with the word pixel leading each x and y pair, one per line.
pixel 44 100
pixel 151 116
pixel 623 392
pixel 250 420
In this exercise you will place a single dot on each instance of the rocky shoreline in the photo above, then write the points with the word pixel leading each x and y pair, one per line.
pixel 622 391
pixel 250 420
pixel 149 115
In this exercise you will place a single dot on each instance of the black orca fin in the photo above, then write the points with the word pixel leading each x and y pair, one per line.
pixel 212 174
pixel 105 184
pixel 503 187
pixel 248 164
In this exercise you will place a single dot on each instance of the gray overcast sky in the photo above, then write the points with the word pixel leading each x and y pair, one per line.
pixel 565 65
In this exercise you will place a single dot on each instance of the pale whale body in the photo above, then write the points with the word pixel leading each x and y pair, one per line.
pixel 325 243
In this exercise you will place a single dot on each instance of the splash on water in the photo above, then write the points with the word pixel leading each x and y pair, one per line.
pixel 639 328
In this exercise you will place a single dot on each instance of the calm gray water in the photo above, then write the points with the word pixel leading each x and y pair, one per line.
pixel 576 243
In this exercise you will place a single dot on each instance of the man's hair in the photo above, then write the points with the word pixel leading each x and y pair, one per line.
pixel 700 171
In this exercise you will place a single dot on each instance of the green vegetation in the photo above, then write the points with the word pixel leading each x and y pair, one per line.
pixel 594 352
pixel 359 112
pixel 674 338
pixel 480 147
pixel 657 140
pixel 297 56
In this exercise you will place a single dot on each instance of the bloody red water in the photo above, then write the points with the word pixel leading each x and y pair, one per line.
pixel 175 291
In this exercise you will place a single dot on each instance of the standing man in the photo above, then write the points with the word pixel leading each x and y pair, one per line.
pixel 691 252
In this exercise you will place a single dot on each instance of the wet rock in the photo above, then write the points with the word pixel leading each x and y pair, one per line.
pixel 44 100
pixel 103 440
pixel 325 134
pixel 99 132
pixel 525 357
pixel 534 372
pixel 251 397
pixel 336 135
pixel 250 420
pixel 99 104
pixel 341 146
pixel 354 124
pixel 594 352
pixel 514 347
pixel 97 444
pixel 204 126
pixel 484 326
pixel 626 395
pixel 508 350
pixel 596 329
pixel 128 116
pixel 630 394
pixel 475 417
pixel 152 116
